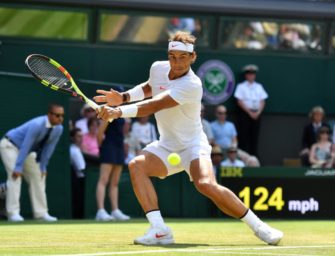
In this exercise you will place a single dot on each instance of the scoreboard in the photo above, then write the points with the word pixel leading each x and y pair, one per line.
pixel 283 192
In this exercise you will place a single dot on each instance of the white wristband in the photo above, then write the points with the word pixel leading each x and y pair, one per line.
pixel 129 110
pixel 136 94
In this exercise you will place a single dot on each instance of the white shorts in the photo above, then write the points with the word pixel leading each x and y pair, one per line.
pixel 186 155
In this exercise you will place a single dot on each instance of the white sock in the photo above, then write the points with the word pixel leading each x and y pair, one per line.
pixel 251 220
pixel 155 218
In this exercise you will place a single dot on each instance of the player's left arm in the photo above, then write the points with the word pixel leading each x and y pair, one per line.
pixel 115 98
pixel 146 88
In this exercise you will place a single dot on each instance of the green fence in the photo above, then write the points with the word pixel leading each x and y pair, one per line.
pixel 270 192
pixel 177 197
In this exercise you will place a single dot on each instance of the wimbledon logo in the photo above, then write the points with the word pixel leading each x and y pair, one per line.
pixel 217 80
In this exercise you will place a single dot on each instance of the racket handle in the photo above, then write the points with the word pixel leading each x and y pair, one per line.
pixel 93 105
pixel 97 107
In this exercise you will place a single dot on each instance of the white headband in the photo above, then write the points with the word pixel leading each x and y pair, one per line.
pixel 180 46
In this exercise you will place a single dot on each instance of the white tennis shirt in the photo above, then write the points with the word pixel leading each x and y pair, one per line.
pixel 179 127
pixel 251 94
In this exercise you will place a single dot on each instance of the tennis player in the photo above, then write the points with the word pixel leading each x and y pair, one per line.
pixel 176 102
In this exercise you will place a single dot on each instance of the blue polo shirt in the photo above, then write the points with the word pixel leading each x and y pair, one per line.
pixel 27 136
pixel 223 133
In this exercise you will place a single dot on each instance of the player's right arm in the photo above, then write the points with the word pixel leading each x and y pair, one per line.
pixel 143 108
pixel 170 98
pixel 115 98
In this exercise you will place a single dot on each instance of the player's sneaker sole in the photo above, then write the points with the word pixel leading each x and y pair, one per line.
pixel 158 241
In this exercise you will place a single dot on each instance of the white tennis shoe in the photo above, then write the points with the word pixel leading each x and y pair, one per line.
pixel 156 235
pixel 48 218
pixel 269 235
pixel 119 215
pixel 15 218
pixel 102 215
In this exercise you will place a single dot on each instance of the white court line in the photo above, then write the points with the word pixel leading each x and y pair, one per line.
pixel 260 253
pixel 209 250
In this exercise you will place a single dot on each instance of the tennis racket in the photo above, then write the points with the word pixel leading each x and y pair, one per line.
pixel 53 75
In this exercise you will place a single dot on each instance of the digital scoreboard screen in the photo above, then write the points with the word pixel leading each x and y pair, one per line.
pixel 310 196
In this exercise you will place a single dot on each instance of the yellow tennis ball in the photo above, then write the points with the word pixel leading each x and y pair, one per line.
pixel 174 159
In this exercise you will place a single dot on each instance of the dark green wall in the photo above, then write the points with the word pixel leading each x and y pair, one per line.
pixel 295 82
pixel 176 194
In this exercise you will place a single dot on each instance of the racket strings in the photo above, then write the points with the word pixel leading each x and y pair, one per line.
pixel 48 72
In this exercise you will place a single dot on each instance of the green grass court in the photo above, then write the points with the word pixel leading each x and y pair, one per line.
pixel 193 237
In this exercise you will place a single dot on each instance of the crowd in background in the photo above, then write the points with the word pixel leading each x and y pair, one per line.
pixel 318 149
pixel 258 35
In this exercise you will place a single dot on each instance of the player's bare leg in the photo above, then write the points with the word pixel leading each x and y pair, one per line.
pixel 205 182
pixel 141 168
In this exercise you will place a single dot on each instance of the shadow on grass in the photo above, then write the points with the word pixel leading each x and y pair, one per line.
pixel 190 245
pixel 172 246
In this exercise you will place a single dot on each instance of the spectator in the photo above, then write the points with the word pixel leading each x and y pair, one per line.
pixel 90 140
pixel 224 132
pixel 271 30
pixel 87 112
pixel 131 144
pixel 144 131
pixel 25 151
pixel 187 24
pixel 231 159
pixel 322 152
pixel 250 97
pixel 206 126
pixel 247 159
pixel 309 136
pixel 216 157
pixel 225 135
pixel 251 37
pixel 291 36
pixel 112 159
pixel 78 166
